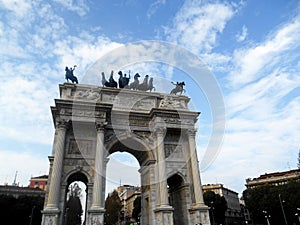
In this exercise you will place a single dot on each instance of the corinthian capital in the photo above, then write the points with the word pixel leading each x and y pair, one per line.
pixel 160 131
pixel 62 124
pixel 100 126
pixel 192 132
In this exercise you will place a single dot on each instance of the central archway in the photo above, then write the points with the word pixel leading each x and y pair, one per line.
pixel 145 157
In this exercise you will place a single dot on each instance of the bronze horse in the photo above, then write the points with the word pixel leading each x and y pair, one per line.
pixel 111 82
pixel 178 88
pixel 70 75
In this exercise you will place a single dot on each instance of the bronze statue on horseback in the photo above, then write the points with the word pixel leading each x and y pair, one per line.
pixel 70 75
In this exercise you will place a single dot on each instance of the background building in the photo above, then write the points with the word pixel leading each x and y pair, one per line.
pixel 277 178
pixel 233 214
pixel 128 194
pixel 17 191
pixel 39 182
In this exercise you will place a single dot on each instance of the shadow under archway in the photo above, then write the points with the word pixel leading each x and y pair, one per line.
pixel 81 181
pixel 177 198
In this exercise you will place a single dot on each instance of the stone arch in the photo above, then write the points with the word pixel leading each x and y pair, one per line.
pixel 152 133
pixel 83 175
pixel 73 176
pixel 139 149
pixel 177 190
pixel 133 145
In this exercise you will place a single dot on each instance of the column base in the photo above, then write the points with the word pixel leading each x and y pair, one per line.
pixel 199 214
pixel 50 216
pixel 164 215
pixel 95 216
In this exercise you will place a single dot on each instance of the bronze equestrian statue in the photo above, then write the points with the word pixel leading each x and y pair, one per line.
pixel 70 75
pixel 111 82
pixel 178 88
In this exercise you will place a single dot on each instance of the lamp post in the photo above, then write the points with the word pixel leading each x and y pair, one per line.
pixel 32 212
pixel 282 209
pixel 212 212
pixel 298 214
pixel 267 217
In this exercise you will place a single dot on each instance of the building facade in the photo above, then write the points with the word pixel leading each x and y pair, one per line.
pixel 39 182
pixel 233 214
pixel 17 191
pixel 128 194
pixel 277 178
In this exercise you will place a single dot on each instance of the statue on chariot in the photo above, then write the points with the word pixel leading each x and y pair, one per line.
pixel 123 82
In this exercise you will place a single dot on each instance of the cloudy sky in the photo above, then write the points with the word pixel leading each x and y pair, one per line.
pixel 251 48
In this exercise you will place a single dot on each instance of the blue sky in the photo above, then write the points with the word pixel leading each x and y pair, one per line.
pixel 250 47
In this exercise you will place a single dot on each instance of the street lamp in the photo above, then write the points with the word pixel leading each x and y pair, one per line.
pixel 31 217
pixel 282 209
pixel 267 217
pixel 298 214
pixel 212 212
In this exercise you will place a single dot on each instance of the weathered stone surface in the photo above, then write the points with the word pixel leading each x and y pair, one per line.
pixel 158 129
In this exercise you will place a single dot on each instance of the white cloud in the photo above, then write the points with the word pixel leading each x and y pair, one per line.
pixel 34 65
pixel 129 167
pixel 154 6
pixel 197 24
pixel 262 99
pixel 242 35
pixel 14 161
pixel 251 63
pixel 19 7
pixel 78 6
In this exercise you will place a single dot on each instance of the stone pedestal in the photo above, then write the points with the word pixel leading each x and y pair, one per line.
pixel 50 217
pixel 199 215
pixel 95 216
pixel 164 215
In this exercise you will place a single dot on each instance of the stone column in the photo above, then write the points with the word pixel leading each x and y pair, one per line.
pixel 195 168
pixel 99 168
pixel 199 212
pixel 161 167
pixel 96 212
pixel 164 212
pixel 58 151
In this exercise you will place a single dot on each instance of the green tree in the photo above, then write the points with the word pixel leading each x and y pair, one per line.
pixel 265 198
pixel 299 160
pixel 113 208
pixel 218 207
pixel 21 210
pixel 137 209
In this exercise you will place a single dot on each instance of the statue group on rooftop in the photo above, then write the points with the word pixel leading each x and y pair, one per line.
pixel 123 81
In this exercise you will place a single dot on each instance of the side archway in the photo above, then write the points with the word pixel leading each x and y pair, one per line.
pixel 177 198
pixel 77 189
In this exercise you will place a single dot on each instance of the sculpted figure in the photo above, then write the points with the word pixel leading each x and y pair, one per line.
pixel 143 86
pixel 70 75
pixel 111 82
pixel 178 88
pixel 150 85
pixel 123 80
pixel 135 83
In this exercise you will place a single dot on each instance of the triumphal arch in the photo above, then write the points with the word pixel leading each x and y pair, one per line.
pixel 158 129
